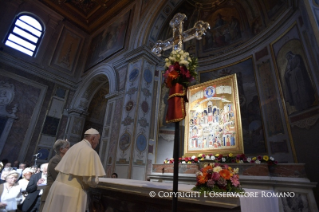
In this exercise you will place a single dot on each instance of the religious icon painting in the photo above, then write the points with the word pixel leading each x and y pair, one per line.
pixel 125 141
pixel 213 122
pixel 294 75
pixel 248 91
pixel 108 42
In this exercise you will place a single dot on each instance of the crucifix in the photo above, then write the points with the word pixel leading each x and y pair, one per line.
pixel 176 43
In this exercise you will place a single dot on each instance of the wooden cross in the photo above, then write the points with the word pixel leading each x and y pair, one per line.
pixel 176 42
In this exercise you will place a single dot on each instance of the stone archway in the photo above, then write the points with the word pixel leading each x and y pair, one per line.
pixel 101 76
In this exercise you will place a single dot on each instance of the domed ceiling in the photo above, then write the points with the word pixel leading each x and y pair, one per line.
pixel 233 22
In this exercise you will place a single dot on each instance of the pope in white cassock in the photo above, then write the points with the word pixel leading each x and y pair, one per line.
pixel 79 169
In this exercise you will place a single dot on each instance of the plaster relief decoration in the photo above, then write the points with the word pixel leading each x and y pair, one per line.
pixel 143 114
pixel 108 42
pixel 26 103
pixel 143 122
pixel 146 92
pixel 295 77
pixel 127 121
pixel 66 52
pixel 251 117
pixel 124 144
pixel 6 118
pixel 299 202
pixel 6 96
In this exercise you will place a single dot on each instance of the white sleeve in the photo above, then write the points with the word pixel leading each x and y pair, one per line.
pixel 19 198
pixel 91 181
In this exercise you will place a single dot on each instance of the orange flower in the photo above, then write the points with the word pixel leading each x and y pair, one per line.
pixel 173 74
pixel 170 77
pixel 206 168
pixel 202 179
pixel 225 174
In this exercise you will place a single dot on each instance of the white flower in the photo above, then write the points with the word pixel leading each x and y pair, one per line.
pixel 248 160
pixel 199 173
pixel 183 162
pixel 184 62
pixel 236 170
pixel 257 161
pixel 212 157
pixel 271 158
pixel 193 157
pixel 217 169
pixel 167 64
pixel 223 159
pixel 241 161
pixel 207 157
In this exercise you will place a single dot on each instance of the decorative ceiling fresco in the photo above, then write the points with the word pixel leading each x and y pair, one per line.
pixel 89 15
pixel 232 22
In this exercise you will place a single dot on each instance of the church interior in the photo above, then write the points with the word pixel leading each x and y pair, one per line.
pixel 90 64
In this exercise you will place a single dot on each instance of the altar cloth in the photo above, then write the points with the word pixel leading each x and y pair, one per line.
pixel 263 201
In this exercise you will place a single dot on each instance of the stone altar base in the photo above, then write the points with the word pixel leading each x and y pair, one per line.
pixel 127 195
pixel 278 178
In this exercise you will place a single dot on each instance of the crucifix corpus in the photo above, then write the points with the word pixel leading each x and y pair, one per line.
pixel 177 92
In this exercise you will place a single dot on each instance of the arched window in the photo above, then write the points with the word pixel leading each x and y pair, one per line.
pixel 25 35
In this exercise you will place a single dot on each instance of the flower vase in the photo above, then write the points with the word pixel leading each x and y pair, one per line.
pixel 176 103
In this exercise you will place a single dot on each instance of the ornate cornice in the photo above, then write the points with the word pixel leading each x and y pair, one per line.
pixel 142 51
pixel 35 70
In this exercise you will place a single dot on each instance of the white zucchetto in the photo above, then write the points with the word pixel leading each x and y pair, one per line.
pixel 91 131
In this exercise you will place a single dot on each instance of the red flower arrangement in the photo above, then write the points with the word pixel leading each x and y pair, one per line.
pixel 180 68
pixel 218 178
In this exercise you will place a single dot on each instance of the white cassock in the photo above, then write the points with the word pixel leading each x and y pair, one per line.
pixel 80 167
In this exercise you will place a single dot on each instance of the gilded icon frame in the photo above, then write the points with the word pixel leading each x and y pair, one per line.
pixel 213 122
